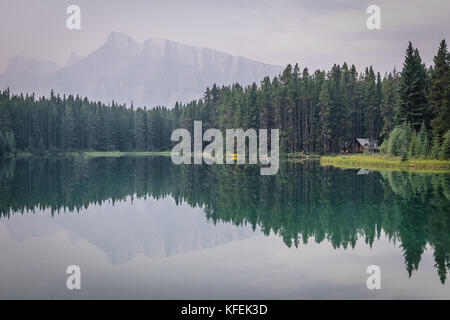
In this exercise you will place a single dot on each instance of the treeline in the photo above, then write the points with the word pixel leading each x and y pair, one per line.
pixel 424 104
pixel 316 112
pixel 71 123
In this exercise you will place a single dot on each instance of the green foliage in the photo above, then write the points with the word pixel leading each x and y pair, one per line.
pixel 398 144
pixel 406 143
pixel 439 97
pixel 423 143
pixel 413 102
pixel 384 146
pixel 390 102
pixel 381 163
pixel 436 148
pixel 2 144
pixel 7 143
pixel 414 146
pixel 445 149
pixel 10 142
pixel 404 154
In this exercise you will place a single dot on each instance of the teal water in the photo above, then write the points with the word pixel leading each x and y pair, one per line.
pixel 144 228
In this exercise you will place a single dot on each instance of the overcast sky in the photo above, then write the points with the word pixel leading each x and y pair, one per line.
pixel 314 33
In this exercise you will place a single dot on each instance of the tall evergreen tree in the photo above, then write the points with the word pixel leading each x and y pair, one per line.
pixel 413 103
pixel 439 96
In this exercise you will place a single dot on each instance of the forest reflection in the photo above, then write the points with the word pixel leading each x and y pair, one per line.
pixel 303 201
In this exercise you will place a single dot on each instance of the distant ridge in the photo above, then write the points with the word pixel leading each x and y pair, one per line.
pixel 155 72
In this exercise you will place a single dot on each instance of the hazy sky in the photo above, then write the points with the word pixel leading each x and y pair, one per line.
pixel 314 33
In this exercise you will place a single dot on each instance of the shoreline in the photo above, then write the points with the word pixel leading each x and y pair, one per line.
pixel 87 154
pixel 381 162
pixel 130 153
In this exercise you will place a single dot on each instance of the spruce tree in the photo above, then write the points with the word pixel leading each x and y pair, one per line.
pixel 2 144
pixel 389 104
pixel 414 146
pixel 395 142
pixel 436 147
pixel 371 104
pixel 324 106
pixel 445 149
pixel 423 142
pixel 413 103
pixel 439 97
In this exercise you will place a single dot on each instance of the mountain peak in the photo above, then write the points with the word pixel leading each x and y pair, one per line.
pixel 122 43
pixel 20 65
pixel 73 58
pixel 119 37
pixel 154 72
pixel 18 58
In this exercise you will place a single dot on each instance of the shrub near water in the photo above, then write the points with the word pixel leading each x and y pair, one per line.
pixel 395 142
pixel 406 143
pixel 445 149
pixel 400 140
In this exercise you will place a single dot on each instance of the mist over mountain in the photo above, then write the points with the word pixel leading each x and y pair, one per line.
pixel 26 75
pixel 73 58
pixel 155 72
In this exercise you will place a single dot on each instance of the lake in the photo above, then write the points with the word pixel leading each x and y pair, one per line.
pixel 145 228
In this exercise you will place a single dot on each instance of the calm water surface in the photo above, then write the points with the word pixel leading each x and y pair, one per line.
pixel 144 228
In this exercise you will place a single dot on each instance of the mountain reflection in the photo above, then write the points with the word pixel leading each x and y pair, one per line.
pixel 301 202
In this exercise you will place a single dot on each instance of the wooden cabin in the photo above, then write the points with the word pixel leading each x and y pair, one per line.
pixel 359 145
pixel 347 149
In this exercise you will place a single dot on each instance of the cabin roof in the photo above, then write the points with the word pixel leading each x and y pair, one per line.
pixel 363 171
pixel 366 143
pixel 363 142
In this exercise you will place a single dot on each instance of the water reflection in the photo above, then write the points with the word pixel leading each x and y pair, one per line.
pixel 303 202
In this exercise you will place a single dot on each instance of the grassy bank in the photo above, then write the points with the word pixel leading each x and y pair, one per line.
pixel 122 154
pixel 88 154
pixel 384 162
pixel 300 155
pixel 297 155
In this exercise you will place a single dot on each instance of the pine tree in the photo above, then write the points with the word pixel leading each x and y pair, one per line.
pixel 423 142
pixel 439 97
pixel 141 129
pixel 445 149
pixel 412 107
pixel 414 146
pixel 389 103
pixel 406 139
pixel 10 142
pixel 436 148
pixel 399 141
pixel 379 101
pixel 265 105
pixel 2 144
pixel 324 106
pixel 371 104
